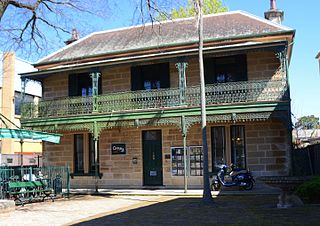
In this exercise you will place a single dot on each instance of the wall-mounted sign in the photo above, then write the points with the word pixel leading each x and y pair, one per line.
pixel 118 149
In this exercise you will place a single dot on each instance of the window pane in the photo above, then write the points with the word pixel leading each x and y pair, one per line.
pixel 218 147
pixel 238 147
pixel 92 168
pixel 81 85
pixel 152 135
pixel 153 76
pixel 17 101
pixel 225 69
pixel 78 153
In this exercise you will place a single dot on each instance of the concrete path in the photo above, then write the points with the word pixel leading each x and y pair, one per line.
pixel 259 188
pixel 64 211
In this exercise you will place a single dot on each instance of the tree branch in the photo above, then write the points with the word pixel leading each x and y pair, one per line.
pixel 31 7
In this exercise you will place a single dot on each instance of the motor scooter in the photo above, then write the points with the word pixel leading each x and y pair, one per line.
pixel 239 177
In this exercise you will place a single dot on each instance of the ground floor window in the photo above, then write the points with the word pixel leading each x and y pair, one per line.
pixel 84 154
pixel 238 150
pixel 92 156
pixel 78 153
pixel 228 146
pixel 218 143
pixel 194 161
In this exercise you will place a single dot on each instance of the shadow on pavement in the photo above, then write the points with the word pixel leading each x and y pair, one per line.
pixel 226 210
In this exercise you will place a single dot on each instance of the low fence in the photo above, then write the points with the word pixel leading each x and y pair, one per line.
pixel 306 161
pixel 56 177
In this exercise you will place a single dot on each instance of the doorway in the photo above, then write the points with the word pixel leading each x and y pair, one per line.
pixel 152 158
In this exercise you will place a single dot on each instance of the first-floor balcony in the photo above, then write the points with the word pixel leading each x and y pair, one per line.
pixel 216 94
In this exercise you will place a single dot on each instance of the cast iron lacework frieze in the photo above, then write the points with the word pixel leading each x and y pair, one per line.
pixel 173 121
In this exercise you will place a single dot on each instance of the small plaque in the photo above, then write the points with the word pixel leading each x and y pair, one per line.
pixel 167 156
pixel 153 173
pixel 118 149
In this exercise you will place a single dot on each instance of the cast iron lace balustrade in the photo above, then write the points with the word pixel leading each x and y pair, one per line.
pixel 238 92
pixel 142 99
pixel 220 93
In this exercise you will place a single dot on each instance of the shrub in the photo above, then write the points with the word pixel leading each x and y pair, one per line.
pixel 310 190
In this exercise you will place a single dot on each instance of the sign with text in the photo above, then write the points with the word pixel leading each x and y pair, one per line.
pixel 118 149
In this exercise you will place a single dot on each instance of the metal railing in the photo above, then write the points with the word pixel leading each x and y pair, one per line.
pixel 48 173
pixel 220 93
pixel 239 92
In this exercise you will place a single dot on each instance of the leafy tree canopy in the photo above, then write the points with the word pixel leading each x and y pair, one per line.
pixel 209 7
pixel 307 122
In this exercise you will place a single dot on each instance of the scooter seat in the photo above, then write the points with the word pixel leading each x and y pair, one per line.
pixel 229 184
pixel 234 173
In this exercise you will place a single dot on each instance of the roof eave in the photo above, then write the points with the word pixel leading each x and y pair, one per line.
pixel 169 45
pixel 37 74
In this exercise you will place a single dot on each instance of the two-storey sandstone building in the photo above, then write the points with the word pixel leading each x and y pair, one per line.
pixel 132 97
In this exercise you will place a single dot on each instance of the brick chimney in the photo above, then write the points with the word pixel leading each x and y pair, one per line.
pixel 75 35
pixel 273 14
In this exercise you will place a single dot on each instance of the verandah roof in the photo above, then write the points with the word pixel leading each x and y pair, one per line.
pixel 29 134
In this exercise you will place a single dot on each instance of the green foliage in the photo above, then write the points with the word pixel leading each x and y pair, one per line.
pixel 310 190
pixel 307 122
pixel 209 7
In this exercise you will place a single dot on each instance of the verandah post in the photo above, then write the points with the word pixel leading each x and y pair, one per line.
pixel 95 90
pixel 181 66
pixel 95 140
pixel 184 136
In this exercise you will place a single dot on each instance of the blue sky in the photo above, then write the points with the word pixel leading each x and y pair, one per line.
pixel 304 75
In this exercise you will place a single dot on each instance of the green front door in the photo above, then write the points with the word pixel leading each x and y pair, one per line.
pixel 152 157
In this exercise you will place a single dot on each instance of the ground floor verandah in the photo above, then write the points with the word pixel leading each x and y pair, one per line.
pixel 151 154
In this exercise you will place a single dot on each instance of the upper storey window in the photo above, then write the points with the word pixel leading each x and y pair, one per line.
pixel 81 85
pixel 147 77
pixel 226 69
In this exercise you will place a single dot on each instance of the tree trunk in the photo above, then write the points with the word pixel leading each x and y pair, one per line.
pixel 3 6
pixel 206 198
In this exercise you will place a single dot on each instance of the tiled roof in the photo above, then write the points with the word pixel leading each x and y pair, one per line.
pixel 170 33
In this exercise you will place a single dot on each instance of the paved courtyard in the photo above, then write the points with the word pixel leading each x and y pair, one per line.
pixel 162 210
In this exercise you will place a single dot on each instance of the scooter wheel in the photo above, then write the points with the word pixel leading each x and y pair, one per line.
pixel 249 185
pixel 215 187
